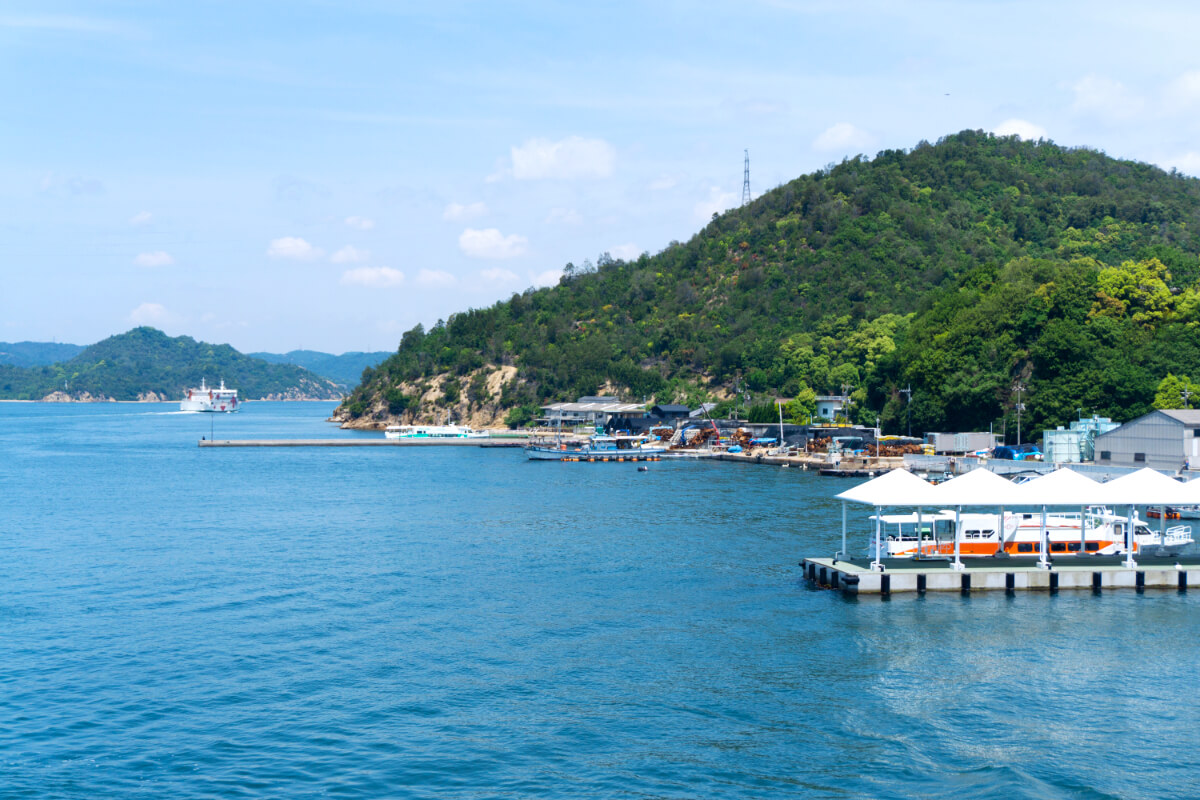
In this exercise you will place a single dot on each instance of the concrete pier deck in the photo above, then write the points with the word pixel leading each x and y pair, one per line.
pixel 903 575
pixel 433 442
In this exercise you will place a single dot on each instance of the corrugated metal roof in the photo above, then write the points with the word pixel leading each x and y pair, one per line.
pixel 1188 416
pixel 604 408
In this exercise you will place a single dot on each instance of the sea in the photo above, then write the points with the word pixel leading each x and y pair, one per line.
pixel 457 622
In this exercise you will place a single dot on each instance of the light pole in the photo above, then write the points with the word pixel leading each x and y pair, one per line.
pixel 845 394
pixel 908 407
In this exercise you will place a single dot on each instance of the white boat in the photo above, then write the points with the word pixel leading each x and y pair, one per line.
pixel 978 535
pixel 598 448
pixel 208 399
pixel 433 432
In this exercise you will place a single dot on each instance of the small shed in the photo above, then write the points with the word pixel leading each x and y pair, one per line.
pixel 668 411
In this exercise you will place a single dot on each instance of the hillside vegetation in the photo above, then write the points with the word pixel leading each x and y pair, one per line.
pixel 145 363
pixel 965 270
pixel 345 369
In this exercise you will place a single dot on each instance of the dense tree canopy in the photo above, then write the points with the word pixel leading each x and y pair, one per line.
pixel 964 269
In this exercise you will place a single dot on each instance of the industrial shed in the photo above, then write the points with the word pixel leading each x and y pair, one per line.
pixel 1168 440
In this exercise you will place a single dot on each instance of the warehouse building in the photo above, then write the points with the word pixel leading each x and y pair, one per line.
pixel 1165 440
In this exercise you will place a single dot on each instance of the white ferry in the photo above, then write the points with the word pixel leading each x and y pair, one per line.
pixel 433 432
pixel 209 399
pixel 1103 534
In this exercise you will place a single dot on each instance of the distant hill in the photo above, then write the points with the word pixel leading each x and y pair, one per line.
pixel 36 354
pixel 345 369
pixel 979 271
pixel 145 363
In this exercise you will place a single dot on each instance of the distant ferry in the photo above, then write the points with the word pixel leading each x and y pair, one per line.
pixel 433 432
pixel 207 399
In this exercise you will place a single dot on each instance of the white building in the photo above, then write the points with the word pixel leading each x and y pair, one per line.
pixel 595 411
pixel 829 406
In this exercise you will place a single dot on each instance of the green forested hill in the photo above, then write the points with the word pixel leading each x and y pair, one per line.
pixel 145 360
pixel 32 354
pixel 345 369
pixel 963 269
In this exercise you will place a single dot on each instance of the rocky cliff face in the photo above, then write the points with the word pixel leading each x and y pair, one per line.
pixel 80 397
pixel 481 411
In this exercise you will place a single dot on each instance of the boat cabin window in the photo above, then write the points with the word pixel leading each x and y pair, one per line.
pixel 1057 547
pixel 1072 547
pixel 1091 547
pixel 1024 547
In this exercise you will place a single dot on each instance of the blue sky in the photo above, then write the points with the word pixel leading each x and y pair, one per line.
pixel 326 175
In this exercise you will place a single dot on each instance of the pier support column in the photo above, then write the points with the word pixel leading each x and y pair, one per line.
pixel 1044 544
pixel 843 553
pixel 1130 538
pixel 957 537
pixel 877 564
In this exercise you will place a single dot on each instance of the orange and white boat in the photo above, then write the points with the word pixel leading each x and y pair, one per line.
pixel 1020 534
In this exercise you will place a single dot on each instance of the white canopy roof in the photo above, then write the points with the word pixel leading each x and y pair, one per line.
pixel 896 488
pixel 979 487
pixel 1146 488
pixel 1063 487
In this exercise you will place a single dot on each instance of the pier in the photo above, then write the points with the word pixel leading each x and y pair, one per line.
pixel 431 442
pixel 906 576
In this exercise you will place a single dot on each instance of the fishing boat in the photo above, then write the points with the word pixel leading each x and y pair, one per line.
pixel 599 447
pixel 433 432
pixel 208 399
pixel 1020 534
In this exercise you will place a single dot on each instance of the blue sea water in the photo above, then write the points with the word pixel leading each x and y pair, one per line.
pixel 463 623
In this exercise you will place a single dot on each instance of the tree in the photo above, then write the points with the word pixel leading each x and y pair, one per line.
pixel 1176 392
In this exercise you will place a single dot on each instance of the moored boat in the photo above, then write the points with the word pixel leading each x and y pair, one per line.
pixel 208 399
pixel 599 447
pixel 433 432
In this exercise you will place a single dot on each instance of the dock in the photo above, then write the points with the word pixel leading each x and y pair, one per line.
pixel 1096 573
pixel 431 442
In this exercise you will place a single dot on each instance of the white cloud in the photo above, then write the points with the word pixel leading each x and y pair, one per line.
pixel 457 211
pixel 141 218
pixel 498 275
pixel 563 216
pixel 626 252
pixel 156 258
pixel 573 157
pixel 374 277
pixel 150 314
pixel 550 277
pixel 360 223
pixel 844 137
pixel 350 255
pixel 1184 92
pixel 295 248
pixel 662 183
pixel 1105 97
pixel 491 243
pixel 717 202
pixel 435 279
pixel 1020 127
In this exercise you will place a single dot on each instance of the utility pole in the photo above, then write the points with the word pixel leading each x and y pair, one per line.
pixel 1185 393
pixel 908 407
pixel 846 394
pixel 1020 408
pixel 746 181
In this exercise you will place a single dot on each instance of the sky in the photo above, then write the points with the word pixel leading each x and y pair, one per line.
pixel 326 175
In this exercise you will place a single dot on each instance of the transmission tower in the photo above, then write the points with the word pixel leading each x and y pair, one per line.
pixel 746 181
